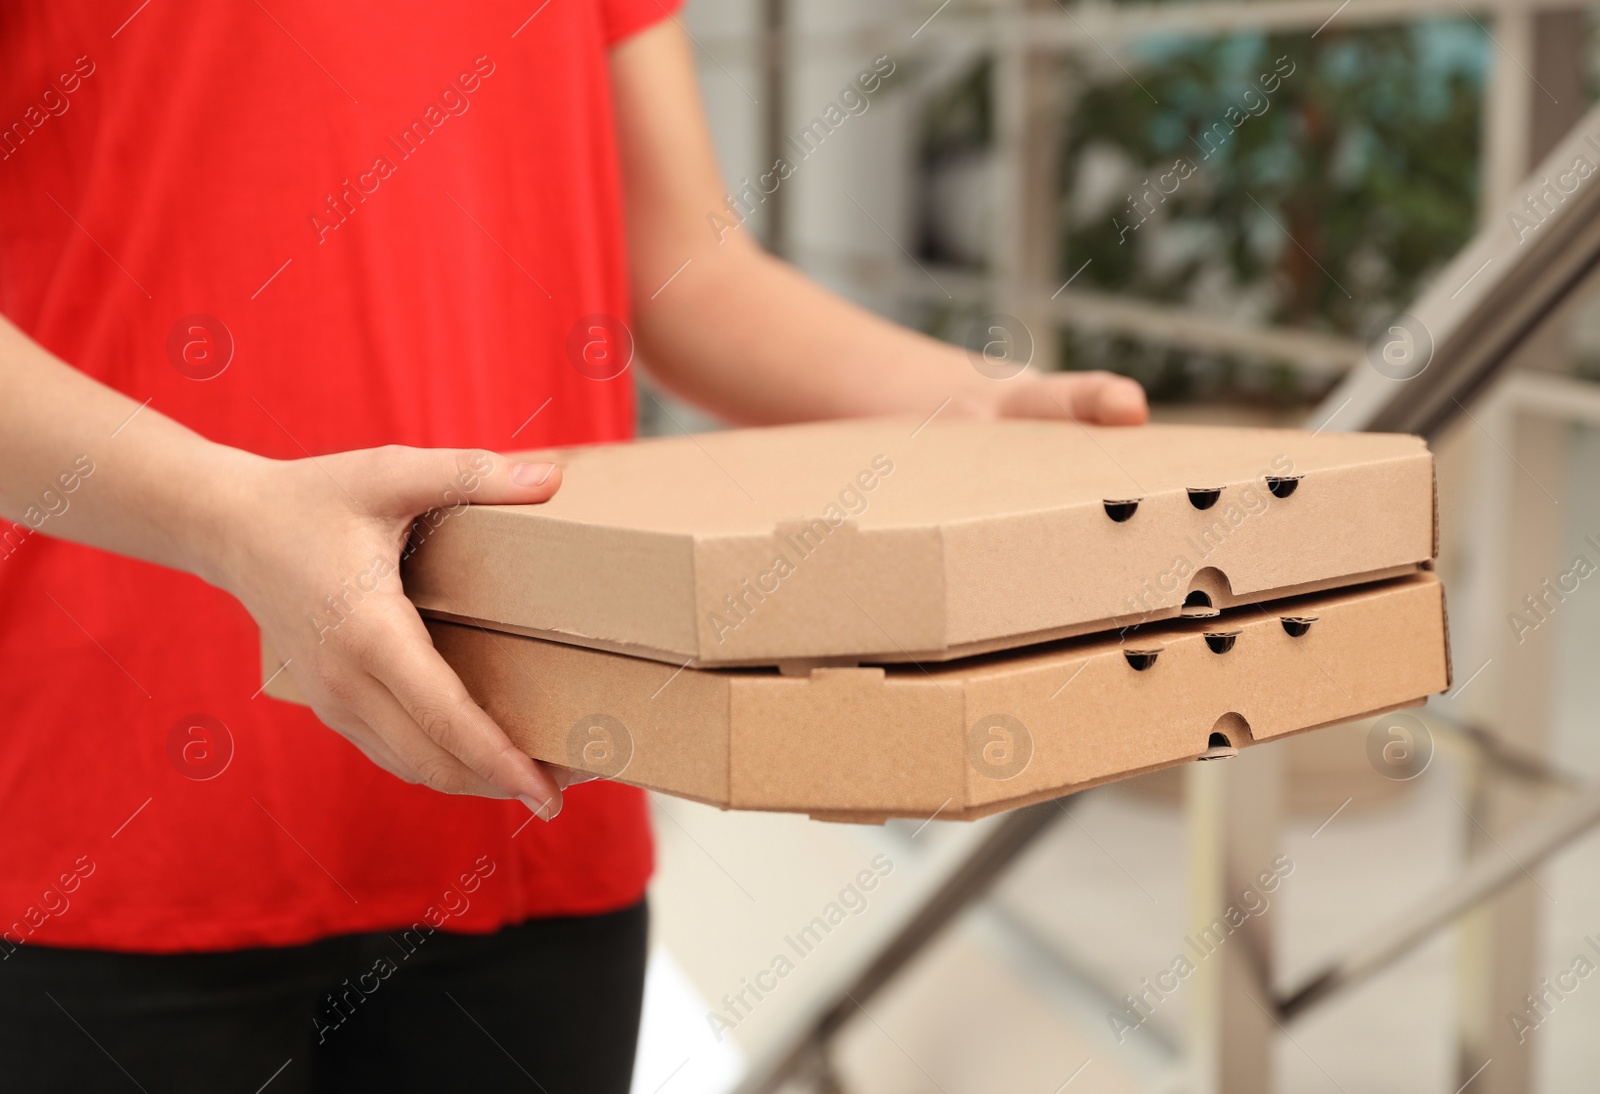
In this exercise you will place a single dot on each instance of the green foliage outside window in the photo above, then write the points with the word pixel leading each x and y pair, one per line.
pixel 1184 183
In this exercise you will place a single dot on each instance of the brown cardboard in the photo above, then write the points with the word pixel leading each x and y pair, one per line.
pixel 965 738
pixel 888 540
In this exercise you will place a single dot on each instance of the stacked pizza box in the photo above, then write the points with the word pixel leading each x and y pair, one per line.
pixel 880 618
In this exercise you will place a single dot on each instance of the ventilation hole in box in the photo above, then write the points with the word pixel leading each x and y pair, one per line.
pixel 1282 485
pixel 1221 641
pixel 1298 625
pixel 1120 511
pixel 1208 592
pixel 1218 747
pixel 1141 659
pixel 1235 727
pixel 1203 497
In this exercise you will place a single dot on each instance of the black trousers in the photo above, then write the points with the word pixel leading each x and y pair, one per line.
pixel 551 1005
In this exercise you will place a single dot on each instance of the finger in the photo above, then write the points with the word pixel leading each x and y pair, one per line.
pixel 1106 399
pixel 423 760
pixel 566 777
pixel 435 699
pixel 365 713
pixel 413 480
pixel 1102 398
pixel 369 744
pixel 334 712
pixel 1122 401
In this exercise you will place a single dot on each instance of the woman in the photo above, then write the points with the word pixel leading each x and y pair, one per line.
pixel 247 249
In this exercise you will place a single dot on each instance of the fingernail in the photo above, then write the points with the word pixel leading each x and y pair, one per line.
pixel 532 474
pixel 546 811
pixel 566 777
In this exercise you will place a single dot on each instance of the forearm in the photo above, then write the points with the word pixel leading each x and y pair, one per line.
pixel 754 341
pixel 748 337
pixel 82 462
pixel 724 325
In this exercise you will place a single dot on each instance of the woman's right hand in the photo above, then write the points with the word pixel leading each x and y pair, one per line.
pixel 312 548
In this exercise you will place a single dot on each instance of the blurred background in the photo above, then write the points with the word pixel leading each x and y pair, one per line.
pixel 1231 202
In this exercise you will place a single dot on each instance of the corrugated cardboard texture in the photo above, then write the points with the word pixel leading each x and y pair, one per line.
pixel 888 540
pixel 860 738
pixel 1369 649
pixel 566 704
pixel 967 738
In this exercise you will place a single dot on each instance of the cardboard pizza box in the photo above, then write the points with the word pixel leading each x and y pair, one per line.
pixel 885 540
pixel 964 738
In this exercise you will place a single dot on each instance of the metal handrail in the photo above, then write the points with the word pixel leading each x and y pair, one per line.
pixel 1010 836
pixel 1523 851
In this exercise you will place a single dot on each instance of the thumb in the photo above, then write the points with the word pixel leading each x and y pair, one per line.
pixel 508 481
pixel 1099 397
pixel 419 479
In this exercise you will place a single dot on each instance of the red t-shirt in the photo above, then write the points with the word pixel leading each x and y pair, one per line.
pixel 395 212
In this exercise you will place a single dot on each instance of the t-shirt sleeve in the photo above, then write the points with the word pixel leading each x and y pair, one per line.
pixel 624 18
